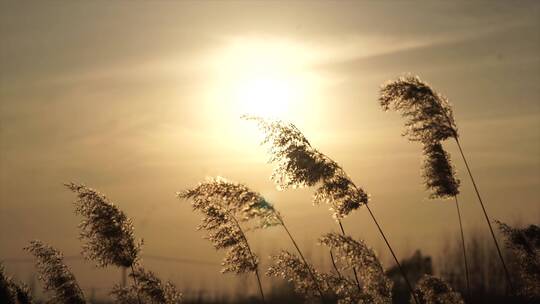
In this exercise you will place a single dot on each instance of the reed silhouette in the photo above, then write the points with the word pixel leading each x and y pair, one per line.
pixel 429 119
pixel 440 178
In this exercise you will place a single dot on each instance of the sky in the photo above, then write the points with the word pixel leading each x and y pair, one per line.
pixel 143 99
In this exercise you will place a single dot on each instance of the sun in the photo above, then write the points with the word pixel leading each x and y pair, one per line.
pixel 263 78
pixel 265 96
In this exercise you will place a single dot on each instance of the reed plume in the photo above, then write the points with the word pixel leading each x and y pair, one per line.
pixel 150 289
pixel 225 205
pixel 12 292
pixel 525 244
pixel 376 287
pixel 55 275
pixel 429 119
pixel 433 290
pixel 299 164
pixel 107 230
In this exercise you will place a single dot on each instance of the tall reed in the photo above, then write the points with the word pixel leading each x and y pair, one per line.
pixel 298 164
pixel 107 231
pixel 429 119
pixel 440 178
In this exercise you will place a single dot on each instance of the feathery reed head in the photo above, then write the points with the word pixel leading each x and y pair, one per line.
pixel 298 164
pixel 55 274
pixel 224 204
pixel 107 230
pixel 438 172
pixel 525 243
pixel 376 287
pixel 149 287
pixel 291 268
pixel 433 290
pixel 428 113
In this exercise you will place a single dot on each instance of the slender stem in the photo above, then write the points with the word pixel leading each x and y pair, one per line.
pixel 249 250
pixel 394 255
pixel 302 256
pixel 136 284
pixel 354 268
pixel 509 281
pixel 463 247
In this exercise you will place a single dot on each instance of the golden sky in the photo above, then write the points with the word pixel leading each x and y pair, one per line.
pixel 143 99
